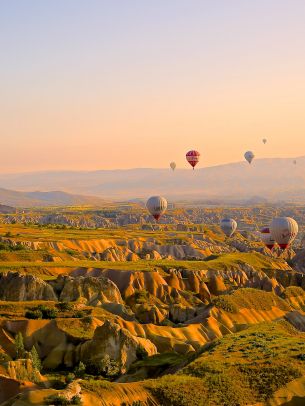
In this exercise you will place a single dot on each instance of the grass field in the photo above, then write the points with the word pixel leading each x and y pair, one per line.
pixel 50 270
pixel 56 233
pixel 240 369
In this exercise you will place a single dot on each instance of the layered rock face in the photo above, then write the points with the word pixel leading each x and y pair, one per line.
pixel 117 343
pixel 88 290
pixel 18 287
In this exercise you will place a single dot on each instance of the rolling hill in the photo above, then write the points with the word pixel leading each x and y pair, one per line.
pixel 40 199
pixel 271 179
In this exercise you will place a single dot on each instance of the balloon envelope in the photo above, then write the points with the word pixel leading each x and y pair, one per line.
pixel 192 158
pixel 264 140
pixel 249 156
pixel 284 230
pixel 267 238
pixel 156 205
pixel 173 165
pixel 228 226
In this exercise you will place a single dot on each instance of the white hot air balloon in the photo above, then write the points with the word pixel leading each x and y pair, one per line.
pixel 156 205
pixel 267 238
pixel 284 230
pixel 228 226
pixel 249 156
pixel 264 140
pixel 173 165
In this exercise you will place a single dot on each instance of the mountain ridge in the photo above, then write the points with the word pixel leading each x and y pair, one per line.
pixel 268 178
pixel 15 198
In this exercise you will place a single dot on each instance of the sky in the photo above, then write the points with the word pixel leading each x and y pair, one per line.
pixel 98 84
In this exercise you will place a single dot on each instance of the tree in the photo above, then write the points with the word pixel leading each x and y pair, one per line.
pixel 80 370
pixel 35 359
pixel 19 346
pixel 106 367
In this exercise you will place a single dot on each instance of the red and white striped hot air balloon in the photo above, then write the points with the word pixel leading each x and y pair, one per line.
pixel 284 230
pixel 267 238
pixel 192 158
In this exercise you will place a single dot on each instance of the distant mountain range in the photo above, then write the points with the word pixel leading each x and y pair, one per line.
pixel 265 179
pixel 43 199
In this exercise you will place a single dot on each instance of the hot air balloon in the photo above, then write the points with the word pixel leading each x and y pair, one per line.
pixel 249 156
pixel 267 238
pixel 295 162
pixel 228 226
pixel 156 205
pixel 284 230
pixel 173 165
pixel 264 140
pixel 192 158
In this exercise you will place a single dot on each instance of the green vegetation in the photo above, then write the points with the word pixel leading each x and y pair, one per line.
pixel 263 358
pixel 19 346
pixel 141 296
pixel 106 367
pixel 96 386
pixel 175 390
pixel 41 312
pixel 293 291
pixel 65 306
pixel 80 370
pixel 238 370
pixel 248 298
pixel 35 358
pixel 4 246
pixel 58 400
pixel 255 259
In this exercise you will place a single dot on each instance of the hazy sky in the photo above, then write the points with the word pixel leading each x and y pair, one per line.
pixel 96 84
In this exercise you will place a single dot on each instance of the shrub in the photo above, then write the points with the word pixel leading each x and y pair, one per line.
pixel 47 312
pixel 33 314
pixel 70 251
pixel 141 352
pixel 76 400
pixel 105 367
pixel 64 306
pixel 57 400
pixel 70 378
pixel 79 314
pixel 141 296
pixel 4 357
pixel 4 246
pixel 80 370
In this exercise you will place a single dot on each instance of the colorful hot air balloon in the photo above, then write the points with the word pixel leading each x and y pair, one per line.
pixel 173 165
pixel 156 205
pixel 192 158
pixel 249 156
pixel 228 226
pixel 284 230
pixel 264 140
pixel 267 238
